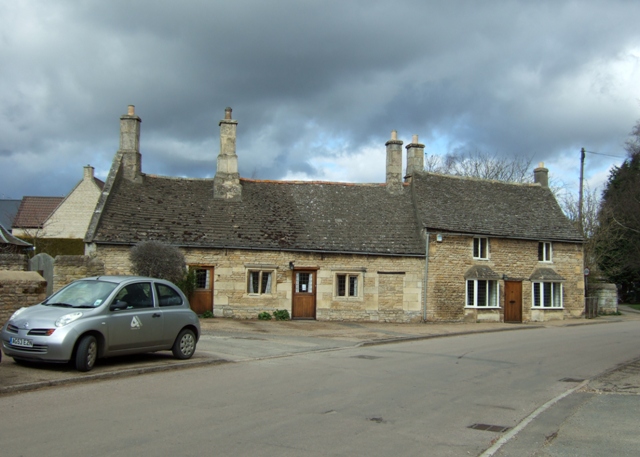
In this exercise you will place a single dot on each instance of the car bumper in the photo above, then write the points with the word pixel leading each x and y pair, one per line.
pixel 53 348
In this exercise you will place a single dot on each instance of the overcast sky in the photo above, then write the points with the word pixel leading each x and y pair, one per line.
pixel 316 86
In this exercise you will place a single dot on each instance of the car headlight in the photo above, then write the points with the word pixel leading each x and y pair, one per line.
pixel 18 311
pixel 68 318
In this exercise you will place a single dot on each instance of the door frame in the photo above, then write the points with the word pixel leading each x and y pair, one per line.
pixel 294 273
pixel 512 310
pixel 210 290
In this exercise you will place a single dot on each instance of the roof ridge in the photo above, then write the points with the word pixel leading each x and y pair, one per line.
pixel 474 178
pixel 332 183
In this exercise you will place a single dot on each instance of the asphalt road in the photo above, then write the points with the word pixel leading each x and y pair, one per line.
pixel 412 398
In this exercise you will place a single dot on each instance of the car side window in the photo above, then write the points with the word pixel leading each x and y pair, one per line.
pixel 167 296
pixel 136 295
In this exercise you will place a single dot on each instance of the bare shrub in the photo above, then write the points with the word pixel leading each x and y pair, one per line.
pixel 158 260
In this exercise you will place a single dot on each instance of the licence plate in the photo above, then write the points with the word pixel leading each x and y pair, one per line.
pixel 22 342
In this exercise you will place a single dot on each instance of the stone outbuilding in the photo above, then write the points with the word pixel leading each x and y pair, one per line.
pixel 418 247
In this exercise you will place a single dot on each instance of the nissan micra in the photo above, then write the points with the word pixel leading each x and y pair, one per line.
pixel 103 316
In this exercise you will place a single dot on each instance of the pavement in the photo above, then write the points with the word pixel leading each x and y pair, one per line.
pixel 552 431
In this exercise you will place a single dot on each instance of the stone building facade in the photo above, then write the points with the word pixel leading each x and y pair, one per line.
pixel 342 251
pixel 510 260
pixel 72 216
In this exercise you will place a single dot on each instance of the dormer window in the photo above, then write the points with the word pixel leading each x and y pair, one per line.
pixel 544 251
pixel 481 248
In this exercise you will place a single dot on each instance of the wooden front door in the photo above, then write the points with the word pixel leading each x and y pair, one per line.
pixel 202 297
pixel 304 295
pixel 513 301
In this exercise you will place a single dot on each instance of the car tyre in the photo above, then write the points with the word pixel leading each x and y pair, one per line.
pixel 185 344
pixel 87 353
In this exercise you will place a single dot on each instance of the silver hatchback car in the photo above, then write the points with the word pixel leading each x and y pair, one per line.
pixel 103 316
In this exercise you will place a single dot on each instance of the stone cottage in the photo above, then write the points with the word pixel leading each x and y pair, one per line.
pixel 70 219
pixel 418 247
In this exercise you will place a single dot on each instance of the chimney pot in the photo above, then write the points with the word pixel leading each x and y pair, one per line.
pixel 88 172
pixel 394 164
pixel 415 158
pixel 541 175
pixel 226 182
pixel 130 145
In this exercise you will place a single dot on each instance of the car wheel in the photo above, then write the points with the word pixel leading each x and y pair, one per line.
pixel 87 353
pixel 185 344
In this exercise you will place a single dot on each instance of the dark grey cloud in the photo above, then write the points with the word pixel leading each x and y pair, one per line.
pixel 309 82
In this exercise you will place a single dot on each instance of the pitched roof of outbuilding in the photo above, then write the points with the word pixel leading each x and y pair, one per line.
pixel 7 238
pixel 34 211
pixel 279 215
pixel 492 208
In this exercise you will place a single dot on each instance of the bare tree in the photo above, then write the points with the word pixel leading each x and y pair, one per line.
pixel 478 164
pixel 592 232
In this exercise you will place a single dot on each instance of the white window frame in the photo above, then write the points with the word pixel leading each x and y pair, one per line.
pixel 351 293
pixel 545 251
pixel 269 287
pixel 480 242
pixel 492 293
pixel 555 295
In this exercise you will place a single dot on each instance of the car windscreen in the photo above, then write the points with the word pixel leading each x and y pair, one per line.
pixel 82 294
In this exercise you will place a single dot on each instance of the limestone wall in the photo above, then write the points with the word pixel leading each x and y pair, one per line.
pixel 450 258
pixel 71 219
pixel 390 288
pixel 14 262
pixel 19 289
pixel 68 268
pixel 606 296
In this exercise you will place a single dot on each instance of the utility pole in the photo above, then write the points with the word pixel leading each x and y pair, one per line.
pixel 582 155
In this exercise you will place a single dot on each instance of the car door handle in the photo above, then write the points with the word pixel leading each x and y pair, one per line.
pixel 156 315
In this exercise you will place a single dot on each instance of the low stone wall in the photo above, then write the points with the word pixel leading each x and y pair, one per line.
pixel 606 295
pixel 18 289
pixel 68 268
pixel 14 262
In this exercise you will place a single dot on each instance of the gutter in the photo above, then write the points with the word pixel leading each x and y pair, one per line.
pixel 241 248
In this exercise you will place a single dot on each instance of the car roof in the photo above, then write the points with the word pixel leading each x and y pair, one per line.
pixel 118 279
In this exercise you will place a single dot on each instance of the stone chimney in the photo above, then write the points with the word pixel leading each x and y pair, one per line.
pixel 130 145
pixel 88 173
pixel 541 175
pixel 394 163
pixel 415 158
pixel 226 183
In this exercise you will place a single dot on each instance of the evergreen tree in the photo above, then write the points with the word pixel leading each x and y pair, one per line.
pixel 619 238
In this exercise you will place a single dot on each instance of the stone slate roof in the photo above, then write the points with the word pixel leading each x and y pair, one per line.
pixel 34 211
pixel 278 215
pixel 492 208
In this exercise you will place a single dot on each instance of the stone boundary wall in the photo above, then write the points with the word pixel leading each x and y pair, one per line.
pixel 68 268
pixel 19 289
pixel 606 296
pixel 14 262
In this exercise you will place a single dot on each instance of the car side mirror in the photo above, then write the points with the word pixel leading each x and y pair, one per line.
pixel 118 305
